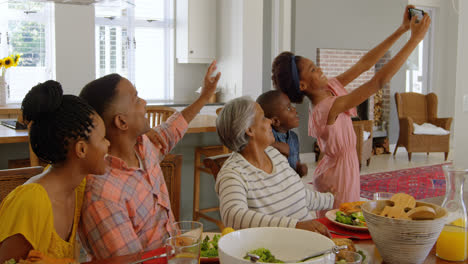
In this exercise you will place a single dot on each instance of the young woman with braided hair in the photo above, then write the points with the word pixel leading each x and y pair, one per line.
pixel 329 118
pixel 43 213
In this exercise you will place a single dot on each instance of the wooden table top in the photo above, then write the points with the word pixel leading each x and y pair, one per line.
pixel 200 124
pixel 9 135
pixel 367 245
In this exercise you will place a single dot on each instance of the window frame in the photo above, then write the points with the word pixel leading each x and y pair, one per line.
pixel 47 18
pixel 167 24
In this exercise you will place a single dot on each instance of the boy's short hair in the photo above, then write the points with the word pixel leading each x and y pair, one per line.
pixel 268 102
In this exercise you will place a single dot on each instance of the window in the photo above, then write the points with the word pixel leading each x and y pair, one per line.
pixel 136 41
pixel 27 28
pixel 419 64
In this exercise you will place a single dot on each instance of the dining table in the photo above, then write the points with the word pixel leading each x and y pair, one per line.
pixel 367 246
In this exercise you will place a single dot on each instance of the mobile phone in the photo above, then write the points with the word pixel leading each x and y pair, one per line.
pixel 418 13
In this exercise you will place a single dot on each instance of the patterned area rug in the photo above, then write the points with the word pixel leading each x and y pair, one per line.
pixel 420 182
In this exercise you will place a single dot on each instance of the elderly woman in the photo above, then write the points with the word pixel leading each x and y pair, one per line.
pixel 256 186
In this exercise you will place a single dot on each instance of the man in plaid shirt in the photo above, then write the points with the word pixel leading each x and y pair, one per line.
pixel 127 210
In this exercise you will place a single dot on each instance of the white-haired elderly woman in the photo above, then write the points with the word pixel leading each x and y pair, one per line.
pixel 256 186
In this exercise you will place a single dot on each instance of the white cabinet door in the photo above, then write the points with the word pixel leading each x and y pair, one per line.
pixel 196 31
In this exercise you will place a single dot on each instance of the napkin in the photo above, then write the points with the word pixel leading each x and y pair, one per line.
pixel 356 234
pixel 155 252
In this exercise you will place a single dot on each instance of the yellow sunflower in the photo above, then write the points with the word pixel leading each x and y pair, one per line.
pixel 8 62
pixel 16 59
pixel 1 63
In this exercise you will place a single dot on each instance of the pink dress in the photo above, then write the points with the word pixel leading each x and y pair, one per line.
pixel 338 171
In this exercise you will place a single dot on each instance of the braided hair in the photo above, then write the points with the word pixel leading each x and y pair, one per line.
pixel 100 92
pixel 281 75
pixel 57 120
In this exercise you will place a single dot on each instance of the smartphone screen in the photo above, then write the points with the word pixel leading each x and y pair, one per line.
pixel 416 12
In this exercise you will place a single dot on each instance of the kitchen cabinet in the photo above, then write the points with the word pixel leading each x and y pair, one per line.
pixel 195 31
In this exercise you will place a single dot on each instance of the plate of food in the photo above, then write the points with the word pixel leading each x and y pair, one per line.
pixel 343 257
pixel 209 247
pixel 348 216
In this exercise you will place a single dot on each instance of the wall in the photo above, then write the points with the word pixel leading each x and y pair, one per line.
pixel 342 24
pixel 267 46
pixel 240 46
pixel 229 45
pixel 74 46
pixel 252 48
pixel 461 113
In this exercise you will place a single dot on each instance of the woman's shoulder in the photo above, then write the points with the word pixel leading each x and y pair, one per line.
pixel 232 163
pixel 27 210
pixel 30 198
pixel 27 193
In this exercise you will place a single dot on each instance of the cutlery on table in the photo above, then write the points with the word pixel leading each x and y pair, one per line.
pixel 254 258
pixel 343 234
pixel 150 258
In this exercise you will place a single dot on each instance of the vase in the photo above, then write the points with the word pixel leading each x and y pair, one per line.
pixel 452 244
pixel 3 89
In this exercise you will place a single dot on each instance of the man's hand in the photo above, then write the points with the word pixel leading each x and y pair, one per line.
pixel 302 169
pixel 207 91
pixel 210 82
pixel 314 226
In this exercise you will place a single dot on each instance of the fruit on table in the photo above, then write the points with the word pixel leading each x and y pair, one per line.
pixel 227 230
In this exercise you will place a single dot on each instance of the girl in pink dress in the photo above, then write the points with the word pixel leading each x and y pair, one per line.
pixel 330 117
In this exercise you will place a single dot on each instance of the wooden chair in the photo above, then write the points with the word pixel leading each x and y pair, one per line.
pixel 214 164
pixel 171 169
pixel 202 153
pixel 363 147
pixel 11 178
pixel 158 114
pixel 419 108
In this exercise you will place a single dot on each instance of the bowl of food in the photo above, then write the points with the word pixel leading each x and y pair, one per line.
pixel 402 240
pixel 274 243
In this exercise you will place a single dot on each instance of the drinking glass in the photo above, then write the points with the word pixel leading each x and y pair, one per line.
pixel 183 249
pixel 190 228
pixel 382 196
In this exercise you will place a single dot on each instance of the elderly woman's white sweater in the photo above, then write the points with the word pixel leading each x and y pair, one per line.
pixel 250 197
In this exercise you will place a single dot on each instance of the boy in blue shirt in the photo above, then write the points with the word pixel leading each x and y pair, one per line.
pixel 283 115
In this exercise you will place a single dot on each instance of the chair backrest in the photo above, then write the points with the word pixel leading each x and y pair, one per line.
pixel 11 178
pixel 215 163
pixel 421 108
pixel 171 169
pixel 158 114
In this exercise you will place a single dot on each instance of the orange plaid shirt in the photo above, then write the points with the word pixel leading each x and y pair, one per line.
pixel 127 210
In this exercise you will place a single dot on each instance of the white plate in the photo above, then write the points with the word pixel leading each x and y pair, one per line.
pixel 331 215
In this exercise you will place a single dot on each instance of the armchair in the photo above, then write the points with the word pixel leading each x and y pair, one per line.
pixel 419 108
pixel 363 146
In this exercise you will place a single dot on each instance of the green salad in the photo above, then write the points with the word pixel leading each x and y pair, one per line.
pixel 209 248
pixel 264 254
pixel 356 219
